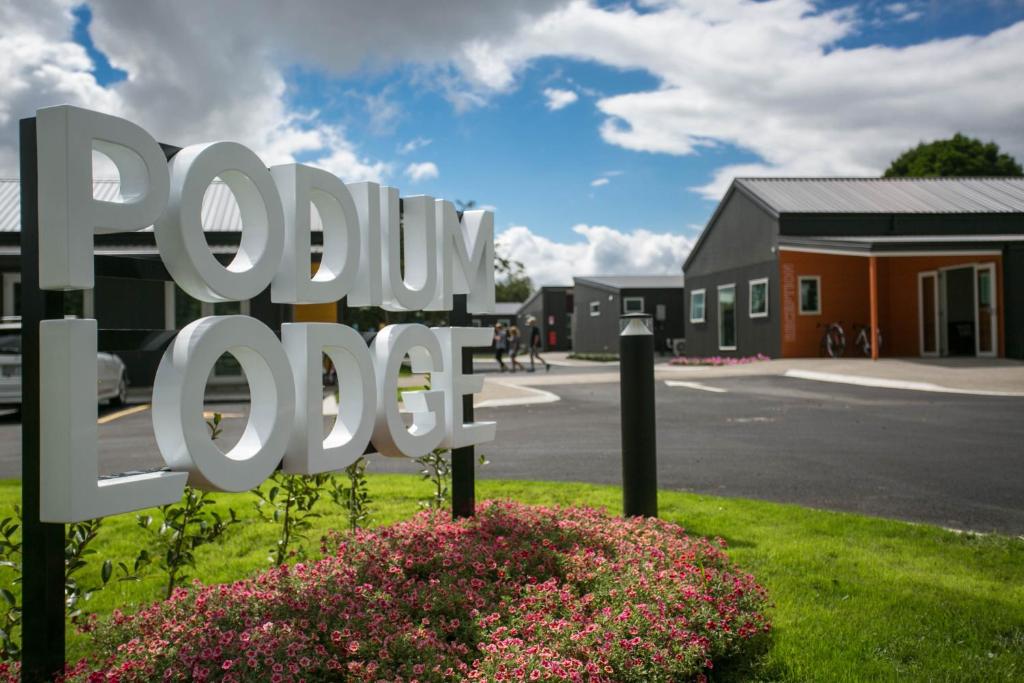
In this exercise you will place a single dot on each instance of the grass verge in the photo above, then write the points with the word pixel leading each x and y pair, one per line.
pixel 856 598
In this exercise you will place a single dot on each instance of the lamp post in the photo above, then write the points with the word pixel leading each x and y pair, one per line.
pixel 636 387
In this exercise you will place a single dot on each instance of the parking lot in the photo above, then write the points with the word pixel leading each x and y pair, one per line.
pixel 947 459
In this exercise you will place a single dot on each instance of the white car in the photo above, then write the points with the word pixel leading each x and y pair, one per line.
pixel 113 377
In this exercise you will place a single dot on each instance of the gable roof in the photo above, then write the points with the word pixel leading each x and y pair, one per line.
pixel 832 196
pixel 220 210
pixel 888 195
pixel 618 282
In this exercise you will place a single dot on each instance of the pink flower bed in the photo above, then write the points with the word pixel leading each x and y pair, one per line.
pixel 518 593
pixel 717 360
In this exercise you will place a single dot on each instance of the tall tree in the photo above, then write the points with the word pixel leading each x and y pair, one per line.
pixel 958 156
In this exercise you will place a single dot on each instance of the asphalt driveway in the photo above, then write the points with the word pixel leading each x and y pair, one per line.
pixel 951 460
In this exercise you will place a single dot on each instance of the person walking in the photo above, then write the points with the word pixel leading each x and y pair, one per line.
pixel 535 344
pixel 500 344
pixel 514 342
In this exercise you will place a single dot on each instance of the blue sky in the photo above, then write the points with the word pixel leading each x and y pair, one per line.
pixel 663 102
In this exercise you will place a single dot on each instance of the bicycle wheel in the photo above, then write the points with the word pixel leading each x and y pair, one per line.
pixel 835 341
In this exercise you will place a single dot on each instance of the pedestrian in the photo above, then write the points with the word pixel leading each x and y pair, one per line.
pixel 500 344
pixel 514 342
pixel 535 344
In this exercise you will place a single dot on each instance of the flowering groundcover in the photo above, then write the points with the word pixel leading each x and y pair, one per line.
pixel 516 593
pixel 717 360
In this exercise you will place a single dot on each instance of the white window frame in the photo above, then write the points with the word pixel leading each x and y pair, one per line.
pixel 703 305
pixel 9 280
pixel 800 293
pixel 750 297
pixel 595 309
pixel 12 278
pixel 735 331
pixel 626 300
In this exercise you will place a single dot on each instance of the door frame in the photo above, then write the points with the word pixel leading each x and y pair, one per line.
pixel 920 313
pixel 993 320
pixel 943 305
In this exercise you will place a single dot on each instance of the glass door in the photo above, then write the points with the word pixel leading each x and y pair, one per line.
pixel 985 309
pixel 928 312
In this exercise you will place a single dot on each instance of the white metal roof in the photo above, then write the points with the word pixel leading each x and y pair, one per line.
pixel 220 211
pixel 888 195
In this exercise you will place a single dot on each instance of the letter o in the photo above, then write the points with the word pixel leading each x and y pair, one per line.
pixel 180 236
pixel 181 432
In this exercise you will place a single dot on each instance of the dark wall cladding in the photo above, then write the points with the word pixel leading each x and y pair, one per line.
pixel 865 225
pixel 753 335
pixel 743 232
pixel 600 333
pixel 596 333
pixel 1013 307
pixel 551 306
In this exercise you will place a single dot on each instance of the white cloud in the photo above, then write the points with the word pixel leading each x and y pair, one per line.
pixel 414 144
pixel 559 99
pixel 200 71
pixel 768 78
pixel 425 170
pixel 605 178
pixel 599 251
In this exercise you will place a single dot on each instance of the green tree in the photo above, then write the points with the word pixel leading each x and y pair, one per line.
pixel 956 157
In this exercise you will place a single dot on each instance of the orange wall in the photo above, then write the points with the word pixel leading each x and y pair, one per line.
pixel 844 298
pixel 900 328
pixel 843 293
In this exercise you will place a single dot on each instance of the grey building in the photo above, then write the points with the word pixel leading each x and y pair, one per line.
pixel 601 300
pixel 937 262
pixel 552 306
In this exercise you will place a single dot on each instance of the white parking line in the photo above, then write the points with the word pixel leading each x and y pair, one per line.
pixel 110 417
pixel 883 383
pixel 537 396
pixel 694 385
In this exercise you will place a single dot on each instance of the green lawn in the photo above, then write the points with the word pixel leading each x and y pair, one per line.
pixel 855 598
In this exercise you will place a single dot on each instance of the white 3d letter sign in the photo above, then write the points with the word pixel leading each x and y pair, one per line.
pixel 365 242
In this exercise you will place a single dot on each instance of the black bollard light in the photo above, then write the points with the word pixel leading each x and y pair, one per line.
pixel 636 387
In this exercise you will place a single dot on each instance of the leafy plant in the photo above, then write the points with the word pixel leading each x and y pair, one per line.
pixel 10 610
pixel 214 424
pixel 290 499
pixel 437 468
pixel 184 526
pixel 354 497
pixel 77 538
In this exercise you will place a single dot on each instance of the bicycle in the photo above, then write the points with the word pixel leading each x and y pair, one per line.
pixel 863 341
pixel 833 342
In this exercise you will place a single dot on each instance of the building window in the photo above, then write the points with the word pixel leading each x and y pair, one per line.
pixel 633 304
pixel 697 306
pixel 810 295
pixel 595 308
pixel 759 298
pixel 727 317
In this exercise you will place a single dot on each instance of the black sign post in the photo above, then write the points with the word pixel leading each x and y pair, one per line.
pixel 463 459
pixel 42 569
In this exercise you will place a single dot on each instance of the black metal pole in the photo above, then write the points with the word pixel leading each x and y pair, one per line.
pixel 639 447
pixel 463 459
pixel 42 568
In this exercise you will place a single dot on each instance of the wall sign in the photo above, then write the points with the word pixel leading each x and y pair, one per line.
pixel 362 251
